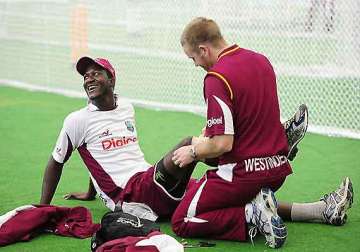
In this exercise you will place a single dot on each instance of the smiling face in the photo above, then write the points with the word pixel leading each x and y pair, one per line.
pixel 97 82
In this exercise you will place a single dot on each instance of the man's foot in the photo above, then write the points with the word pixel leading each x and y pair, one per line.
pixel 338 202
pixel 295 129
pixel 266 219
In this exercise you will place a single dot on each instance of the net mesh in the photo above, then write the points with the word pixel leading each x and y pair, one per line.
pixel 314 46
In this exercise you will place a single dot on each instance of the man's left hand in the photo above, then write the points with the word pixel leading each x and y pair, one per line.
pixel 79 196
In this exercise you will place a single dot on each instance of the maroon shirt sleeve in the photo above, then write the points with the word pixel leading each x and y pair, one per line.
pixel 219 107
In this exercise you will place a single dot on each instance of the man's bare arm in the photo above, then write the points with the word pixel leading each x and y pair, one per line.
pixel 214 147
pixel 207 148
pixel 50 181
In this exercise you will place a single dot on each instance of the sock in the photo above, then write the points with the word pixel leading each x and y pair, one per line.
pixel 165 179
pixel 249 212
pixel 311 212
pixel 173 186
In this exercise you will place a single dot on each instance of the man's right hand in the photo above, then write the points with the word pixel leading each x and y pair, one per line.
pixel 85 196
pixel 79 196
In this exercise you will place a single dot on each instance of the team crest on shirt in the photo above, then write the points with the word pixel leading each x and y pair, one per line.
pixel 129 126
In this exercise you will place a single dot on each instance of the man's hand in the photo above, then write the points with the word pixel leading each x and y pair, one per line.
pixel 84 196
pixel 183 156
pixel 79 196
pixel 209 148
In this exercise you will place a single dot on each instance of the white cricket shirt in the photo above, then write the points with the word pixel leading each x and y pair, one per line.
pixel 107 142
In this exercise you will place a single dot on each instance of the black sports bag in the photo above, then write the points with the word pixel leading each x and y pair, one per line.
pixel 118 224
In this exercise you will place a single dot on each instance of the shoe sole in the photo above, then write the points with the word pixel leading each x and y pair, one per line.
pixel 305 112
pixel 278 231
pixel 348 200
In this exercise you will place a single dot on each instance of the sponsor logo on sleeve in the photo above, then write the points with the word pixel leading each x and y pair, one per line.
pixel 214 121
pixel 58 151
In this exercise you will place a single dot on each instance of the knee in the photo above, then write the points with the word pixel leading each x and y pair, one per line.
pixel 177 225
pixel 186 141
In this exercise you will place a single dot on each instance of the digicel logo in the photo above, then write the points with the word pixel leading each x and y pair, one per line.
pixel 117 142
pixel 213 121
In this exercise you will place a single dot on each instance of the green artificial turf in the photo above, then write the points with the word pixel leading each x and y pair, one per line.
pixel 30 123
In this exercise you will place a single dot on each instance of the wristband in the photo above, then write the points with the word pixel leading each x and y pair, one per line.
pixel 192 152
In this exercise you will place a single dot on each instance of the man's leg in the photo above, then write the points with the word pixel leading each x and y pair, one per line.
pixel 161 187
pixel 330 209
pixel 212 208
pixel 295 129
pixel 173 178
pixel 262 215
pixel 219 209
pixel 314 8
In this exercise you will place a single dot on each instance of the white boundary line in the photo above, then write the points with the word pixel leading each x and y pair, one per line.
pixel 200 110
pixel 77 94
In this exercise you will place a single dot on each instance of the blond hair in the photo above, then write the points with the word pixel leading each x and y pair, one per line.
pixel 201 30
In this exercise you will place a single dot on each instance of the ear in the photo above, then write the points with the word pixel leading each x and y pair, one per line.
pixel 203 50
pixel 112 82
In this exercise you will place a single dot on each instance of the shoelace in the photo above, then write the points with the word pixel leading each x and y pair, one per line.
pixel 252 233
pixel 330 199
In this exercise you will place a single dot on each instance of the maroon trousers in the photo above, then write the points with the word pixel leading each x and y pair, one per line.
pixel 215 208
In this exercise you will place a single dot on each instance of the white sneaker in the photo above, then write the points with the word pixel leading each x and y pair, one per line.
pixel 338 202
pixel 266 219
pixel 295 129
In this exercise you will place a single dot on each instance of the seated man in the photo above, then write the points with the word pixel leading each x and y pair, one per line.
pixel 105 136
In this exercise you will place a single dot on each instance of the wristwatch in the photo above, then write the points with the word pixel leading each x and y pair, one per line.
pixel 192 152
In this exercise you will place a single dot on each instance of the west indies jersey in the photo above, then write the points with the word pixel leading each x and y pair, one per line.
pixel 108 144
pixel 241 95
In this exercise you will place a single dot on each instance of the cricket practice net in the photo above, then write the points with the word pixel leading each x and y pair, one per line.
pixel 314 46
